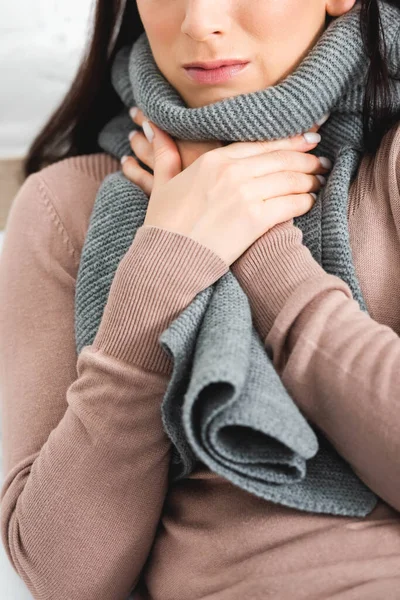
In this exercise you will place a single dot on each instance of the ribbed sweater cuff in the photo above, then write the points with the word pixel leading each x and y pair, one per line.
pixel 271 270
pixel 155 281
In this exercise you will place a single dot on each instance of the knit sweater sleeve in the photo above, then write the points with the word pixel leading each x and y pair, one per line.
pixel 85 456
pixel 341 367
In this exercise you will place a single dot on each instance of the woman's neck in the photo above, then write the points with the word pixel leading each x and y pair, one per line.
pixel 190 151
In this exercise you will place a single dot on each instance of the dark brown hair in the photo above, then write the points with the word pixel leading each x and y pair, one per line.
pixel 91 101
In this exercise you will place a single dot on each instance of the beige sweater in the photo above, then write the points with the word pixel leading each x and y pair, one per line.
pixel 86 511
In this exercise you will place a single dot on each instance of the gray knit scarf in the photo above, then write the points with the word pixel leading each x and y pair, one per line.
pixel 246 427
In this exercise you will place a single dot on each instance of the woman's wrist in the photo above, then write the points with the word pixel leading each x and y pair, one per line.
pixel 271 269
pixel 155 281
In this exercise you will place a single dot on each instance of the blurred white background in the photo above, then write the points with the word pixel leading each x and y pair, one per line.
pixel 41 42
pixel 40 45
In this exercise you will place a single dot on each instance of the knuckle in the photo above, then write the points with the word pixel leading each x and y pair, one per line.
pixel 293 204
pixel 302 182
pixel 148 158
pixel 255 212
pixel 129 171
pixel 204 159
pixel 229 173
pixel 129 165
pixel 293 179
pixel 132 176
pixel 207 162
pixel 212 157
pixel 229 170
pixel 282 158
pixel 160 151
pixel 265 145
pixel 135 140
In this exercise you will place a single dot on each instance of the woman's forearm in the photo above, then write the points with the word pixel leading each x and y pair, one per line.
pixel 79 516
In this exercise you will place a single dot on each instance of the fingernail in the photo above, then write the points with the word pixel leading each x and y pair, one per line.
pixel 323 119
pixel 148 132
pixel 132 133
pixel 314 195
pixel 133 111
pixel 124 158
pixel 325 162
pixel 321 179
pixel 311 137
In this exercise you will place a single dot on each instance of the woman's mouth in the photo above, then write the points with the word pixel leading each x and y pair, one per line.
pixel 219 75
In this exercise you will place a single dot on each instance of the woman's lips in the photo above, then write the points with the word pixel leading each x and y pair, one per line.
pixel 215 75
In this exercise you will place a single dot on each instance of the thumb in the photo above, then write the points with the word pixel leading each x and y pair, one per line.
pixel 166 156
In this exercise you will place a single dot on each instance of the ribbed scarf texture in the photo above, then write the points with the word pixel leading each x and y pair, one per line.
pixel 244 426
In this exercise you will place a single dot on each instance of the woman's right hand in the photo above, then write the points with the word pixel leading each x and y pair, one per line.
pixel 230 196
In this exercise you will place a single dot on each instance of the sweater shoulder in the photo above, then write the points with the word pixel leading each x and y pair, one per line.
pixel 71 186
pixel 378 177
pixel 386 160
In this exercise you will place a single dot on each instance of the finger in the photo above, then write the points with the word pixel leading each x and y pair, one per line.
pixel 142 148
pixel 281 209
pixel 137 115
pixel 283 160
pixel 132 171
pixel 297 142
pixel 281 184
pixel 167 159
pixel 244 149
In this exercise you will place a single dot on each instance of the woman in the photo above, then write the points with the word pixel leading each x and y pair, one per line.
pixel 86 508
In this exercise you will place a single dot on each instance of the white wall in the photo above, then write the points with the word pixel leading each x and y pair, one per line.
pixel 40 45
